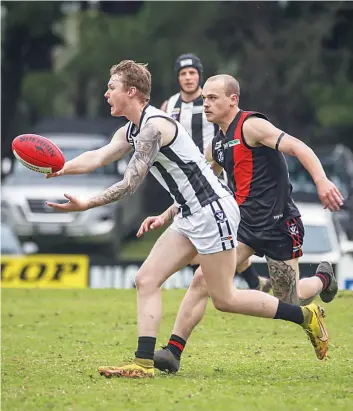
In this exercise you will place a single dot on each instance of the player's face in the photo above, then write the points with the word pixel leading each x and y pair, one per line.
pixel 215 102
pixel 116 95
pixel 189 79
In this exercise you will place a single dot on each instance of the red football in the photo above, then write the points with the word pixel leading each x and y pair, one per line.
pixel 38 153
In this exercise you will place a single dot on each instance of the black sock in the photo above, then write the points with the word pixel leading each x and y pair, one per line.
pixel 251 277
pixel 289 312
pixel 325 279
pixel 145 348
pixel 176 345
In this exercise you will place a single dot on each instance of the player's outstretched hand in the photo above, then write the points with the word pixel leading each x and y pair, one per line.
pixel 150 223
pixel 74 204
pixel 329 194
pixel 57 174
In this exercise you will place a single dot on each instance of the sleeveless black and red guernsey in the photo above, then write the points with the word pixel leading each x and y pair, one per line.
pixel 258 176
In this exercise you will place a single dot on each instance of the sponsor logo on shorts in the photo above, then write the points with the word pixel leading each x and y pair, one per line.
pixel 293 228
pixel 220 217
pixel 227 238
pixel 277 217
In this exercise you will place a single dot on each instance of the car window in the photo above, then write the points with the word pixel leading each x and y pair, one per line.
pixel 317 239
pixel 69 154
pixel 9 243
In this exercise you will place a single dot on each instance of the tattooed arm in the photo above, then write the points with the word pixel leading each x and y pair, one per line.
pixel 147 146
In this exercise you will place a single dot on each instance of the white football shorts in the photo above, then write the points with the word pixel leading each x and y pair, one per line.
pixel 212 228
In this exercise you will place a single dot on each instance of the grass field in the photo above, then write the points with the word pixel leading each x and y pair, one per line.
pixel 54 340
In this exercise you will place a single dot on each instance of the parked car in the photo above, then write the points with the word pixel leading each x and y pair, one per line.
pixel 324 240
pixel 338 163
pixel 24 193
pixel 10 244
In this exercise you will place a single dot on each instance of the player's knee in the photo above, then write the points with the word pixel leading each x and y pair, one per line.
pixel 220 304
pixel 199 282
pixel 146 281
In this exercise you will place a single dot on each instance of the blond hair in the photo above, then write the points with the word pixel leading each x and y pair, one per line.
pixel 134 75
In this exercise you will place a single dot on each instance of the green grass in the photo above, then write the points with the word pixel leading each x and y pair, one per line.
pixel 54 340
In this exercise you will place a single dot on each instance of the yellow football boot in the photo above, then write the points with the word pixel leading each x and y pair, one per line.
pixel 315 329
pixel 140 368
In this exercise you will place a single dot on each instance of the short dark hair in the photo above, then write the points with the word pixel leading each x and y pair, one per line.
pixel 231 85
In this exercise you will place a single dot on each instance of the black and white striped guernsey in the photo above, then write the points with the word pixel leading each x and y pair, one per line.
pixel 191 115
pixel 181 168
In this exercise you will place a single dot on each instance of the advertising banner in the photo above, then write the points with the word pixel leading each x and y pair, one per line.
pixel 44 271
pixel 123 276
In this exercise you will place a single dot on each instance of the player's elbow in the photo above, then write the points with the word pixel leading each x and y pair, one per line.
pixel 300 150
pixel 130 185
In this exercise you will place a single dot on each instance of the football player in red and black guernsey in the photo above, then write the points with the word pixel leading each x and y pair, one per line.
pixel 187 108
pixel 250 149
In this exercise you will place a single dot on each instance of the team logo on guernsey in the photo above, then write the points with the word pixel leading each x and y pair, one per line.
pixel 220 156
pixel 220 217
pixel 175 113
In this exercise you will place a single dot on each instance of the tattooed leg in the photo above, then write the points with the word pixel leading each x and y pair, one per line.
pixel 286 285
pixel 284 279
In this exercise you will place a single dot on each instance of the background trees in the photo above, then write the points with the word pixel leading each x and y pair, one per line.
pixel 294 60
